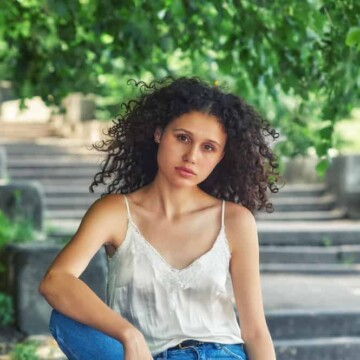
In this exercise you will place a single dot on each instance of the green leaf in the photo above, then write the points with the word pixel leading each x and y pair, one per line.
pixel 353 37
pixel 326 132
pixel 321 167
pixel 322 149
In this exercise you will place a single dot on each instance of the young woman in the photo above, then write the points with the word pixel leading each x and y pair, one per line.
pixel 188 164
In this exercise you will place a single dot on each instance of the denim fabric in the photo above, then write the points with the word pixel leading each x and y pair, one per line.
pixel 81 342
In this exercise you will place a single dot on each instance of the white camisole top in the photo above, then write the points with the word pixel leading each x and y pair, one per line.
pixel 170 305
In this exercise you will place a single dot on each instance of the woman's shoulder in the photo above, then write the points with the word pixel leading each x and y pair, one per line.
pixel 235 209
pixel 109 205
pixel 238 215
pixel 107 215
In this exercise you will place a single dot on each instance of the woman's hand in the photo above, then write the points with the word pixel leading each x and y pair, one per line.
pixel 135 347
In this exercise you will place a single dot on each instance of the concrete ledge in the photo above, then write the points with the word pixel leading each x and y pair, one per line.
pixel 328 215
pixel 310 324
pixel 346 254
pixel 343 348
pixel 290 292
pixel 321 269
pixel 26 265
pixel 309 234
pixel 299 254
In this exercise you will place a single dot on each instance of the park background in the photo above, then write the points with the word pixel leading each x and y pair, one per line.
pixel 64 71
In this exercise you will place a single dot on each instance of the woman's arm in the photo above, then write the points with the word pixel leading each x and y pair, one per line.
pixel 105 222
pixel 245 273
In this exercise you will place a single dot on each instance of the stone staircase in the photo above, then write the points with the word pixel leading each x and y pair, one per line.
pixel 310 263
pixel 310 253
pixel 26 130
pixel 303 202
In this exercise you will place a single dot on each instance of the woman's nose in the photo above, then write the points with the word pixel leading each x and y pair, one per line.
pixel 190 155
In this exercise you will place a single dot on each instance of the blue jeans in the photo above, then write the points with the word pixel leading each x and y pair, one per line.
pixel 81 342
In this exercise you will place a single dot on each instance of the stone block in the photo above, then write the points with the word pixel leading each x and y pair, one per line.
pixel 23 199
pixel 343 178
pixel 27 264
pixel 79 108
pixel 301 170
pixel 3 163
pixel 36 110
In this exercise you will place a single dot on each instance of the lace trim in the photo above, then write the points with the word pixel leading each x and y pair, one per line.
pixel 180 277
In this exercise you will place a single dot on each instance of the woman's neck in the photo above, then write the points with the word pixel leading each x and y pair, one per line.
pixel 172 202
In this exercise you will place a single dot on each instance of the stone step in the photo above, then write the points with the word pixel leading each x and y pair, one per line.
pixel 311 292
pixel 60 147
pixel 299 190
pixel 286 215
pixel 66 165
pixel 49 160
pixel 61 190
pixel 310 254
pixel 12 131
pixel 312 269
pixel 312 233
pixel 311 323
pixel 26 134
pixel 65 172
pixel 65 214
pixel 68 203
pixel 308 203
pixel 340 348
pixel 24 124
pixel 69 182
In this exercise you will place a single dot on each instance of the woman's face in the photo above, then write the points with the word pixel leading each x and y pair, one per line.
pixel 190 147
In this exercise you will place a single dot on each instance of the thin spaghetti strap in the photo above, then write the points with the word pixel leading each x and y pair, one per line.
pixel 222 213
pixel 127 207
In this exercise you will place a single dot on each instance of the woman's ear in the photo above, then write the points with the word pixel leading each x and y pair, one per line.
pixel 157 134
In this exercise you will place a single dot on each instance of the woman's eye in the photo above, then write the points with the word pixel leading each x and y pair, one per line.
pixel 209 147
pixel 182 137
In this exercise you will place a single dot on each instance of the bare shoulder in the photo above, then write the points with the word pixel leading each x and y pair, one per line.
pixel 240 226
pixel 106 208
pixel 109 205
pixel 108 214
pixel 237 214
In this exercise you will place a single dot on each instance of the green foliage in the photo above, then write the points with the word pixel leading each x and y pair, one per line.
pixel 353 37
pixel 20 230
pixel 25 351
pixel 295 60
pixel 327 241
pixel 17 230
pixel 348 260
pixel 6 310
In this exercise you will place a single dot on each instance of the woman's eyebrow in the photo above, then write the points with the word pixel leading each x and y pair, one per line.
pixel 190 133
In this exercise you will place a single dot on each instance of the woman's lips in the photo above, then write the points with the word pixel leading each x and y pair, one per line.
pixel 185 171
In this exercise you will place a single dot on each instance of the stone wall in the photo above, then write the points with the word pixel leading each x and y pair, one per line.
pixel 26 265
pixel 343 178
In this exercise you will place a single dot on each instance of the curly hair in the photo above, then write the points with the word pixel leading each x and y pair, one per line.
pixel 248 170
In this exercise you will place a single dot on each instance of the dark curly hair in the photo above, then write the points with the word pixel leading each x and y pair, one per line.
pixel 245 174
